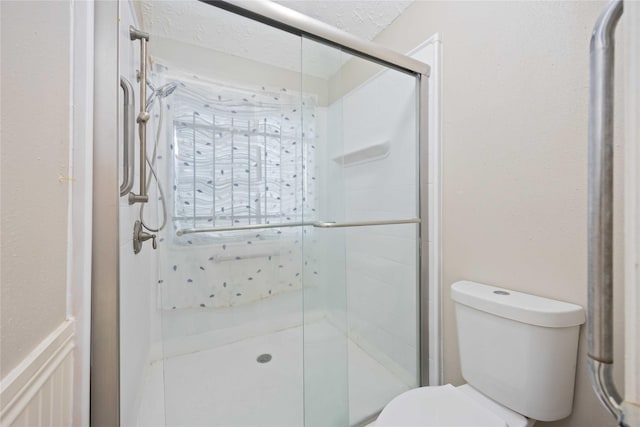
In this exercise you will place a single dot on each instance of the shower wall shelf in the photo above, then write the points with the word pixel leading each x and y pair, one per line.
pixel 364 155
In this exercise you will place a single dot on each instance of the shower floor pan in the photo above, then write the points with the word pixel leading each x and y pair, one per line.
pixel 228 387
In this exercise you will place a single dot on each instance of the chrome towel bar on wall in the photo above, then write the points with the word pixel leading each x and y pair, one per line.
pixel 600 205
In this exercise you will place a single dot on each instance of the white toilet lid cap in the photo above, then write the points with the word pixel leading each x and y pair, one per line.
pixel 436 406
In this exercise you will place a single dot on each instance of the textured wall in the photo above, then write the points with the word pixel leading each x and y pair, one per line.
pixel 35 155
pixel 515 155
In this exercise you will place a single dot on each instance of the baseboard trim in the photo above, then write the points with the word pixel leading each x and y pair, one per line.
pixel 27 393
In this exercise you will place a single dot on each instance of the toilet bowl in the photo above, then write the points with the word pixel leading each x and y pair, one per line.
pixel 518 355
pixel 446 406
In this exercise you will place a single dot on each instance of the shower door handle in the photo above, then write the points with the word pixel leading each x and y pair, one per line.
pixel 128 137
pixel 600 216
pixel 333 224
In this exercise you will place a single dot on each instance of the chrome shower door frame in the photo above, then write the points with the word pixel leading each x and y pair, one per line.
pixel 105 327
pixel 105 369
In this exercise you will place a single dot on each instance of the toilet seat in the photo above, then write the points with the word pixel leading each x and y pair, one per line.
pixel 447 406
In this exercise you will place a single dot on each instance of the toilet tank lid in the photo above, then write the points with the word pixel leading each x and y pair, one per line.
pixel 517 306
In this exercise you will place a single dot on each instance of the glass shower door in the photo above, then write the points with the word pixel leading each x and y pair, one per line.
pixel 361 276
pixel 222 312
pixel 283 179
pixel 231 264
pixel 326 380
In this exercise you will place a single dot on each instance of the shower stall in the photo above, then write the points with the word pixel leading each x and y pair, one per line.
pixel 280 273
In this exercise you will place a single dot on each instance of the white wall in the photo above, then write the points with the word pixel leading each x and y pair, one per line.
pixel 515 78
pixel 35 160
pixel 242 71
pixel 43 349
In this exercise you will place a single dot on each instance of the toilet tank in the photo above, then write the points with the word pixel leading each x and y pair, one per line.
pixel 518 349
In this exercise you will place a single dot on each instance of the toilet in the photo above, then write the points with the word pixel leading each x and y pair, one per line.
pixel 518 355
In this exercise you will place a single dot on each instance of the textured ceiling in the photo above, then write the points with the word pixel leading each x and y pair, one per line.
pixel 193 22
pixel 364 18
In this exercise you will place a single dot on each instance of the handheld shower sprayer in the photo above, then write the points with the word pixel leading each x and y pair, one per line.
pixel 157 94
pixel 162 92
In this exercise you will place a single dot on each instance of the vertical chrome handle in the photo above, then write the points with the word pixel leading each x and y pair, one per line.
pixel 128 138
pixel 600 218
pixel 143 116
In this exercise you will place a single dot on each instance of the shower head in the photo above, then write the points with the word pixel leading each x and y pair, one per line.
pixel 161 92
pixel 167 89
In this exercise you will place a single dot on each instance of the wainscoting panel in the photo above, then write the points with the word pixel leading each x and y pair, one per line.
pixel 39 391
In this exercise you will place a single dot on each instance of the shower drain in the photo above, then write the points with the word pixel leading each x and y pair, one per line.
pixel 264 358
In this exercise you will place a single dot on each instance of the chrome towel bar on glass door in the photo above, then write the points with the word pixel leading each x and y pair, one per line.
pixel 315 224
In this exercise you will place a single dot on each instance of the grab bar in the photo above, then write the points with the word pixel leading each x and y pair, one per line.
pixel 600 205
pixel 143 116
pixel 315 224
pixel 128 137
